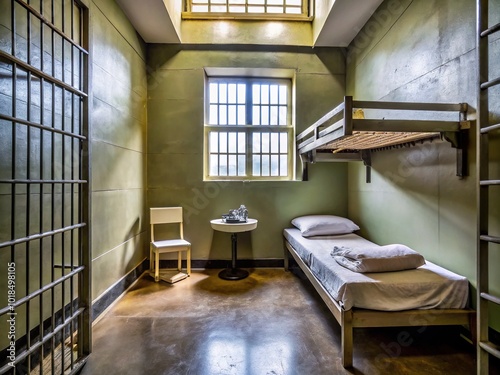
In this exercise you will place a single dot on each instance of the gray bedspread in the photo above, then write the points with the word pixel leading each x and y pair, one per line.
pixel 427 287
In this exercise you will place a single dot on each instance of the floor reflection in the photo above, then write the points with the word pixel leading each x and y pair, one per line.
pixel 227 354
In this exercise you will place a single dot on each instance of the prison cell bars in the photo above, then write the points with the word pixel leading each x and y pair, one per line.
pixel 65 321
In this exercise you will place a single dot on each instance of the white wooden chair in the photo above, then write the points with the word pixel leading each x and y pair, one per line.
pixel 168 215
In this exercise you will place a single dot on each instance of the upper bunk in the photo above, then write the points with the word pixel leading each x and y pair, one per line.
pixel 353 129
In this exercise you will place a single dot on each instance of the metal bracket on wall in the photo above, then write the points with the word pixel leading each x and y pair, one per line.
pixel 366 156
pixel 460 140
pixel 306 158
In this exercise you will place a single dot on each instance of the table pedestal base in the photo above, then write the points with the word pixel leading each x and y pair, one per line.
pixel 233 274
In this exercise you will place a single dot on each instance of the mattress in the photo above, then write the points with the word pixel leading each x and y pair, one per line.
pixel 427 287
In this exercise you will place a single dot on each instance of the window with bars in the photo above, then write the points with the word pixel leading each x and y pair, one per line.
pixel 247 8
pixel 248 129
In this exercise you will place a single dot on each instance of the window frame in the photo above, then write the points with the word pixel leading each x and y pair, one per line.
pixel 304 15
pixel 249 129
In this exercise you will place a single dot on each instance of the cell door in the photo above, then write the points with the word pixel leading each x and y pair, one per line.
pixel 44 187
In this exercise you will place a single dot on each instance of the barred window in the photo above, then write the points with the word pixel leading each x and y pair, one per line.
pixel 248 131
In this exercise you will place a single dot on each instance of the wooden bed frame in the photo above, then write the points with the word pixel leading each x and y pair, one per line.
pixel 348 133
pixel 363 318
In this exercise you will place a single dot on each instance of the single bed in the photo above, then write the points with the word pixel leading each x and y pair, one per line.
pixel 439 297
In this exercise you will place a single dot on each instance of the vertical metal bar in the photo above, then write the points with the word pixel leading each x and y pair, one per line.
pixel 41 216
pixel 40 259
pixel 52 191
pixel 72 190
pixel 14 126
pixel 28 210
pixel 482 51
pixel 63 206
pixel 28 32
pixel 85 283
pixel 28 187
pixel 63 28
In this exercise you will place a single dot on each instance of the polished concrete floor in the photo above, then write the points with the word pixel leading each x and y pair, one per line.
pixel 271 323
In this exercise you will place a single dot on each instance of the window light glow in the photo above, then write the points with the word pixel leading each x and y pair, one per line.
pixel 272 7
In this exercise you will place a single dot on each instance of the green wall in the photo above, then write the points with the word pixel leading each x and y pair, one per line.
pixel 118 139
pixel 422 50
pixel 175 146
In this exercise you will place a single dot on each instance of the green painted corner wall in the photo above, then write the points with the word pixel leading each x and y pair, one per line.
pixel 423 51
pixel 175 146
pixel 118 141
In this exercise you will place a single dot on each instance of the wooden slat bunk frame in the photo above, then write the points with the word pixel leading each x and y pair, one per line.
pixel 343 134
pixel 364 318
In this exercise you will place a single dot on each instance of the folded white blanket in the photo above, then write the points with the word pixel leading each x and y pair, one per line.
pixel 395 257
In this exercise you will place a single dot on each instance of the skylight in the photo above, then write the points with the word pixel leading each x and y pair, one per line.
pixel 289 9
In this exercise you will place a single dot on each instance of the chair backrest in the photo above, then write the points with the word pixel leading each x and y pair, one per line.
pixel 165 215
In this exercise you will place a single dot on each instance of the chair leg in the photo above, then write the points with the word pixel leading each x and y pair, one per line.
pixel 157 266
pixel 188 261
pixel 179 261
pixel 151 261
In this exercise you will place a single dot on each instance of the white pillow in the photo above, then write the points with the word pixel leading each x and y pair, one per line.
pixel 387 258
pixel 324 225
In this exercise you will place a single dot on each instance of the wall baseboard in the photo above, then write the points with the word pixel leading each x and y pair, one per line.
pixel 219 263
pixel 117 289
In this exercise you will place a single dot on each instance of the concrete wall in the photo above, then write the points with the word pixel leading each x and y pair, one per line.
pixel 175 146
pixel 422 50
pixel 118 115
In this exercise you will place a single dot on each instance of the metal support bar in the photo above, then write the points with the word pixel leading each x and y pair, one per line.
pixel 305 167
pixel 493 239
pixel 462 154
pixel 41 235
pixel 40 126
pixel 366 156
pixel 490 348
pixel 490 128
pixel 490 30
pixel 45 288
pixel 48 182
pixel 489 182
pixel 491 83
pixel 491 298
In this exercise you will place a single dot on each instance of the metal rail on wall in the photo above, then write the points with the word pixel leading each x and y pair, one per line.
pixel 44 187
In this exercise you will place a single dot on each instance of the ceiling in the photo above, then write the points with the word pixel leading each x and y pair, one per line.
pixel 153 22
pixel 345 19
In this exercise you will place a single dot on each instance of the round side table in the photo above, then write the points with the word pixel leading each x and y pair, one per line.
pixel 233 273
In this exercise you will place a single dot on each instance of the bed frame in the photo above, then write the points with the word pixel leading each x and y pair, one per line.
pixel 354 128
pixel 363 318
